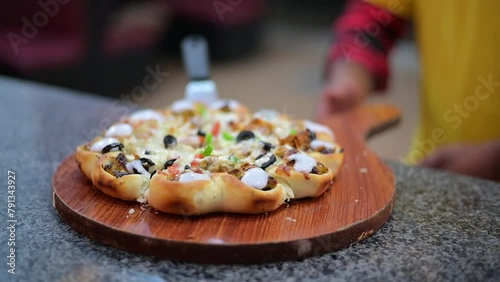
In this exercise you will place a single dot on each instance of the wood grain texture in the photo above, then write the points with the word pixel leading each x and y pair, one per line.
pixel 360 202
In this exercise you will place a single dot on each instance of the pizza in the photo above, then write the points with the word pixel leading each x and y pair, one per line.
pixel 194 158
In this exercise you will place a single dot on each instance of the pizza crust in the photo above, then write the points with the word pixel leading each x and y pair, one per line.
pixel 129 187
pixel 303 187
pixel 222 193
pixel 241 198
pixel 86 160
pixel 332 161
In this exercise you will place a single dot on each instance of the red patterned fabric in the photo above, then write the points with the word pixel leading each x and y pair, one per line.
pixel 365 34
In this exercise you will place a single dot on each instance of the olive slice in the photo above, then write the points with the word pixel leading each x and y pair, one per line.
pixel 260 156
pixel 147 161
pixel 169 163
pixel 201 133
pixel 326 151
pixel 245 135
pixel 267 146
pixel 272 160
pixel 169 141
pixel 311 135
pixel 112 146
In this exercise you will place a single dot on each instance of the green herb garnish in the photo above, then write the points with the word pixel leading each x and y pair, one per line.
pixel 208 138
pixel 203 111
pixel 234 159
pixel 227 136
pixel 208 151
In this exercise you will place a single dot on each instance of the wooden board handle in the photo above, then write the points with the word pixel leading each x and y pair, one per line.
pixel 366 120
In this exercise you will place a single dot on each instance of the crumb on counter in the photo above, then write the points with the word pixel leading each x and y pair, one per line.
pixel 363 170
pixel 291 219
pixel 131 211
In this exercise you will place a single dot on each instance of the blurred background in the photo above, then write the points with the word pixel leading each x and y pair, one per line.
pixel 265 53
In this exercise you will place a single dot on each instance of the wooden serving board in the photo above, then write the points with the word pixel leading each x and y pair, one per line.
pixel 360 202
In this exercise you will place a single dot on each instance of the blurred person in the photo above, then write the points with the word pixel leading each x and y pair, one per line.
pixel 459 46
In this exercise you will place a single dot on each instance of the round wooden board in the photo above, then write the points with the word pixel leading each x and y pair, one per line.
pixel 359 203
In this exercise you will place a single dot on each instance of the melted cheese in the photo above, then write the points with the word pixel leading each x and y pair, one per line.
pixel 99 145
pixel 146 114
pixel 316 144
pixel 267 115
pixel 219 104
pixel 255 177
pixel 316 127
pixel 138 167
pixel 120 129
pixel 191 176
pixel 180 106
pixel 303 163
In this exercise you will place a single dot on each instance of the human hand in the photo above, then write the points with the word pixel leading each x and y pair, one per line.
pixel 346 87
pixel 481 160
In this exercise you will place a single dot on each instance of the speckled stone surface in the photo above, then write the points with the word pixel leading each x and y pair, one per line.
pixel 444 227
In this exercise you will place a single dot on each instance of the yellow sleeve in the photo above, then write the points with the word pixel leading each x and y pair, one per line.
pixel 400 8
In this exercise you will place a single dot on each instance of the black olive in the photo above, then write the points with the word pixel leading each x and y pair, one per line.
pixel 169 141
pixel 147 152
pixel 260 156
pixel 327 151
pixel 187 167
pixel 314 171
pixel 121 159
pixel 112 146
pixel 147 161
pixel 169 163
pixel 201 133
pixel 272 160
pixel 245 135
pixel 341 150
pixel 119 174
pixel 267 146
pixel 154 172
pixel 312 135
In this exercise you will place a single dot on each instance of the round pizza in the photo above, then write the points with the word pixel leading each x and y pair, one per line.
pixel 193 158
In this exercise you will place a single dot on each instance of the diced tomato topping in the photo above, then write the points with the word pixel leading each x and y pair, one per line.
pixel 216 129
pixel 199 156
pixel 202 139
pixel 194 163
pixel 137 124
pixel 174 169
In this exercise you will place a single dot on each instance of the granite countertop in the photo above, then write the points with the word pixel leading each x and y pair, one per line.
pixel 444 226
